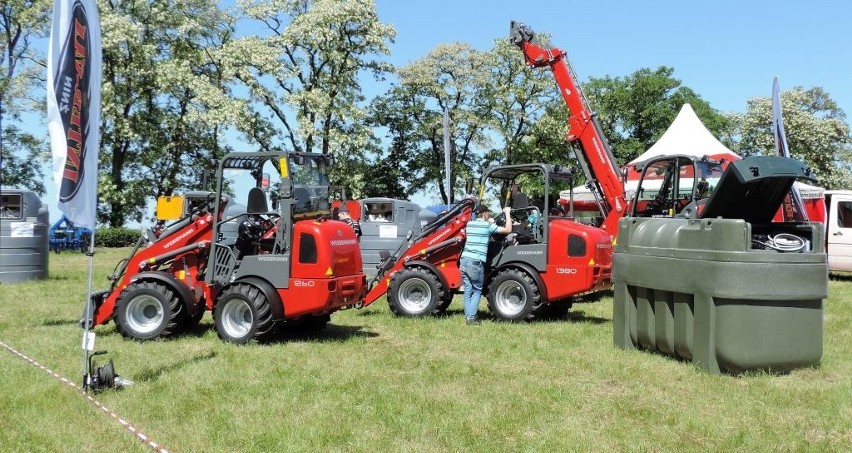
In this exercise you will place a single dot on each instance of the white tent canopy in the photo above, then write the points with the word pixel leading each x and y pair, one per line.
pixel 687 135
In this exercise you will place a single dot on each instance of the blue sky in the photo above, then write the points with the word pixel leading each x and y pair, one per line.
pixel 727 51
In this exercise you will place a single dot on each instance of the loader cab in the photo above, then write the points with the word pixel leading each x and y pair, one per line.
pixel 310 188
pixel 279 190
pixel 675 186
pixel 532 191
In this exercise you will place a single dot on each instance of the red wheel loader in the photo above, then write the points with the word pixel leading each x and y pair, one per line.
pixel 285 265
pixel 546 261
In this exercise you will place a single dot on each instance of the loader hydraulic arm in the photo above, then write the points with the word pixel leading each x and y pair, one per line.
pixel 584 132
pixel 443 235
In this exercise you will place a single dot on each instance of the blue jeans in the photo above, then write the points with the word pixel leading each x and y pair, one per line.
pixel 473 276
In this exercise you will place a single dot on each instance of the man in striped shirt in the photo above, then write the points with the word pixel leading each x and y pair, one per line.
pixel 474 255
pixel 343 216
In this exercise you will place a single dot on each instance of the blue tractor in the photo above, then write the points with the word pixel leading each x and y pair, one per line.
pixel 64 235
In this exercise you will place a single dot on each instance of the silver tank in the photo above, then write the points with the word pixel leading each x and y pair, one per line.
pixel 24 224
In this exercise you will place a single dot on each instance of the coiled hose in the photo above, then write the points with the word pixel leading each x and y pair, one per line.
pixel 781 242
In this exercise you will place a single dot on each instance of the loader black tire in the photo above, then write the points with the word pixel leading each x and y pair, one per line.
pixel 514 296
pixel 242 314
pixel 445 303
pixel 415 292
pixel 147 310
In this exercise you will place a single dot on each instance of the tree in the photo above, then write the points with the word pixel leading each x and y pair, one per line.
pixel 21 22
pixel 305 73
pixel 502 112
pixel 451 77
pixel 24 172
pixel 165 100
pixel 519 99
pixel 817 133
pixel 385 174
pixel 636 110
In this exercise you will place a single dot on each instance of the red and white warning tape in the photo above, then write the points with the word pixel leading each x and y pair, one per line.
pixel 139 434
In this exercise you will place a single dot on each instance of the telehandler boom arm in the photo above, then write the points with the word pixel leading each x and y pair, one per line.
pixel 603 175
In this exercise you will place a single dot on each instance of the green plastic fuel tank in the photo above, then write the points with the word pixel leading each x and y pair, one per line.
pixel 701 290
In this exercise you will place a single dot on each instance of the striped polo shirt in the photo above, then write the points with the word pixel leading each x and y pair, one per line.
pixel 476 244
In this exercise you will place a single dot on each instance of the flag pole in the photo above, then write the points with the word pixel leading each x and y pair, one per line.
pixel 447 158
pixel 88 336
pixel 799 213
pixel 74 78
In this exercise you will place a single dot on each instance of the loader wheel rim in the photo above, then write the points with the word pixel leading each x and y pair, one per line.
pixel 414 295
pixel 237 318
pixel 511 298
pixel 145 314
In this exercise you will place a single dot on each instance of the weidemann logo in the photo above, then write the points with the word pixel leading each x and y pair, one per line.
pixel 179 238
pixel 273 258
pixel 439 237
pixel 339 242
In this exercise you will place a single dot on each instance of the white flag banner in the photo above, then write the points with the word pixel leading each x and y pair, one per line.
pixel 74 106
pixel 799 213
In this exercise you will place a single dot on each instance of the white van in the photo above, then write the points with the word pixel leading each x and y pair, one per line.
pixel 839 229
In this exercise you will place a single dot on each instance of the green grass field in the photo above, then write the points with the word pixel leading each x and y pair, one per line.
pixel 372 382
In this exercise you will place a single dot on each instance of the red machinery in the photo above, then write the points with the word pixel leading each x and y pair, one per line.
pixel 564 258
pixel 251 270
pixel 584 134
pixel 544 263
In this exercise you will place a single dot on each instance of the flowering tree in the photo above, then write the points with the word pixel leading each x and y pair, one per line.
pixel 817 133
pixel 21 76
pixel 303 72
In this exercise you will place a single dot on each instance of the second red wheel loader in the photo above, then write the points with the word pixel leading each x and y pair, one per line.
pixel 541 266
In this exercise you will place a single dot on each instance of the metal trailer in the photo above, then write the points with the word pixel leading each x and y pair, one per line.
pixel 385 222
pixel 64 235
